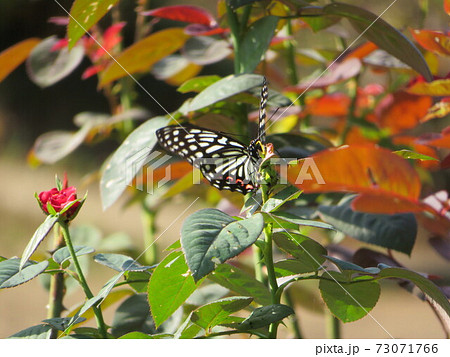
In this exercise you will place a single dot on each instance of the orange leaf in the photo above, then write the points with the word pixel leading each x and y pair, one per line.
pixel 385 204
pixel 333 105
pixel 438 88
pixel 405 111
pixel 13 56
pixel 362 51
pixel 176 171
pixel 447 6
pixel 434 41
pixel 357 168
pixel 144 54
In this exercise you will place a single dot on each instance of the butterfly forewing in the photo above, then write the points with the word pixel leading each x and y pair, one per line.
pixel 224 162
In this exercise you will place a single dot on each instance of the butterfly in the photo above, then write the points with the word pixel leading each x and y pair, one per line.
pixel 225 162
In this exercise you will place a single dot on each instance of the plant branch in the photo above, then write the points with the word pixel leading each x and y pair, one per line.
pixel 97 310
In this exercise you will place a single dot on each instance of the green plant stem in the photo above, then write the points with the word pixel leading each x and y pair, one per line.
pixel 268 259
pixel 148 222
pixel 257 263
pixel 294 319
pixel 233 22
pixel 291 69
pixel 57 288
pixel 351 111
pixel 97 310
pixel 333 326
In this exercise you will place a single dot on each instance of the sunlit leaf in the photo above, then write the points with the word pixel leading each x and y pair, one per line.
pixel 37 238
pixel 119 262
pixel 185 13
pixel 169 287
pixel 36 332
pixel 385 36
pixel 240 282
pixel 214 313
pixel 142 55
pixel 13 56
pixel 365 169
pixel 348 302
pixel 128 159
pixel 222 89
pixel 434 41
pixel 47 66
pixel 12 274
pixel 198 84
pixel 437 88
pixel 408 154
pixel 83 15
pixel 63 254
pixel 307 251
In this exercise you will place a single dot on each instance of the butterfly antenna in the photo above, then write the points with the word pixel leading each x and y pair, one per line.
pixel 262 112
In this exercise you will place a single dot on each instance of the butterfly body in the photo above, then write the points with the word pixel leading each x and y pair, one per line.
pixel 225 162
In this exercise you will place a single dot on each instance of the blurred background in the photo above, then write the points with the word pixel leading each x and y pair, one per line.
pixel 27 111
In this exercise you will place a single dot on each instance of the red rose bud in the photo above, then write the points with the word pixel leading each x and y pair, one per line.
pixel 60 199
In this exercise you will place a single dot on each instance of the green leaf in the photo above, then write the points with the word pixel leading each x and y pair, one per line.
pixel 169 287
pixel 352 267
pixel 318 23
pixel 288 267
pixel 409 154
pixel 120 262
pixel 138 280
pixel 128 159
pixel 287 194
pixel 396 231
pixel 255 43
pixel 46 66
pixel 140 336
pixel 11 274
pixel 212 314
pixel 188 329
pixel 281 218
pixel 382 34
pixel 96 300
pixel 37 332
pixel 133 315
pixel 235 4
pixel 210 237
pixel 307 251
pixel 83 15
pixel 197 84
pixel 424 284
pixel 37 238
pixel 264 316
pixel 63 254
pixel 240 282
pixel 348 301
pixel 62 323
pixel 221 90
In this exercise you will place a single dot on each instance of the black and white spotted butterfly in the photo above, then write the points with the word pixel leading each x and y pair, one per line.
pixel 226 163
